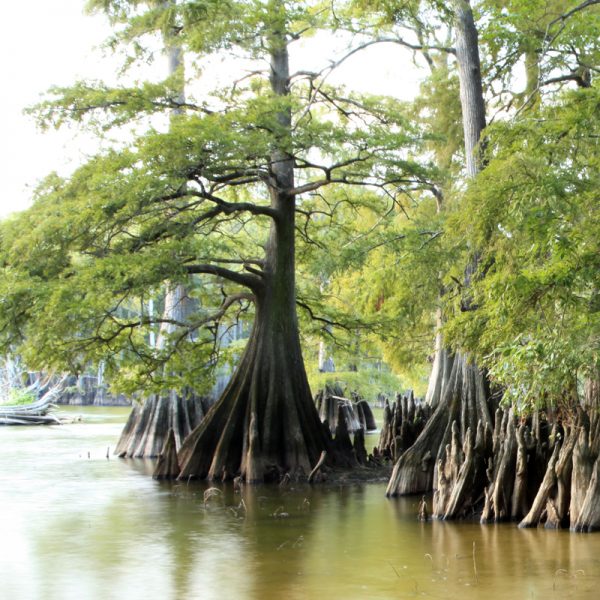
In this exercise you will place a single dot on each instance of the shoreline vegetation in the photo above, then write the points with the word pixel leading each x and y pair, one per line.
pixel 234 239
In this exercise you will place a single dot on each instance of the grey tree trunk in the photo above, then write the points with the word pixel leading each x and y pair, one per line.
pixel 471 89
pixel 265 425
pixel 170 416
pixel 457 389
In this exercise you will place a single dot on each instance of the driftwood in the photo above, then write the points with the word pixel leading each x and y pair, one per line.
pixel 34 413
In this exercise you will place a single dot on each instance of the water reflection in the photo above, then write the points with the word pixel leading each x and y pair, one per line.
pixel 91 528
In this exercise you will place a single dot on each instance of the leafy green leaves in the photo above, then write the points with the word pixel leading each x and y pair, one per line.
pixel 536 325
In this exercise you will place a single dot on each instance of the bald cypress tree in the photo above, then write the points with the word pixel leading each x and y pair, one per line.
pixel 217 195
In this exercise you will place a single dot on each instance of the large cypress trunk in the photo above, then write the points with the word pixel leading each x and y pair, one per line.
pixel 266 424
pixel 464 403
pixel 458 390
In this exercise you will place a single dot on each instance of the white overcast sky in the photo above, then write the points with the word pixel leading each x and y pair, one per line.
pixel 45 43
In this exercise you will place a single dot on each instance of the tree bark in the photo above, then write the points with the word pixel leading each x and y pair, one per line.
pixel 534 515
pixel 167 466
pixel 266 424
pixel 148 425
pixel 471 89
pixel 464 395
pixel 464 401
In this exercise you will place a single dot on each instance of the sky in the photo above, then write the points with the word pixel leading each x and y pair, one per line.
pixel 42 44
pixel 53 43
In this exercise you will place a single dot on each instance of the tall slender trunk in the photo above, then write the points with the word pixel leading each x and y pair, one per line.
pixel 471 88
pixel 147 428
pixel 457 390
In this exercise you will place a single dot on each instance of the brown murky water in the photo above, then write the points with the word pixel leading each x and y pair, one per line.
pixel 79 526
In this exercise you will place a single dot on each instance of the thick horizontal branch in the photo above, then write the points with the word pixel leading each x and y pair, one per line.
pixel 577 78
pixel 225 207
pixel 247 280
pixel 315 317
pixel 238 261
pixel 238 176
pixel 573 11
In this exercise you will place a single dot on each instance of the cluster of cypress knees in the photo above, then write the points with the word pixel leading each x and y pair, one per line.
pixel 480 459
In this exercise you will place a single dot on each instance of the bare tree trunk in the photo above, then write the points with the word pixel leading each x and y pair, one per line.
pixel 471 89
pixel 266 424
pixel 463 394
pixel 148 426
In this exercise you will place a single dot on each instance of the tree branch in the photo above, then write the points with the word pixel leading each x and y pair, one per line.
pixel 321 319
pixel 231 207
pixel 574 10
pixel 216 316
pixel 250 281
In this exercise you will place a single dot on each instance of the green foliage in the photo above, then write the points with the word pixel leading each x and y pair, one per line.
pixel 367 383
pixel 385 222
pixel 537 323
pixel 19 397
pixel 79 267
pixel 531 217
pixel 512 29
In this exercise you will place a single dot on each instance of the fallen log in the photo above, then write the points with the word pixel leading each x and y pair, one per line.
pixel 33 413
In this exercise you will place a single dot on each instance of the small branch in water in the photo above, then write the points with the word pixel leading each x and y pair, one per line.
pixel 423 513
pixel 211 493
pixel 317 466
pixel 279 513
pixel 394 568
pixel 430 558
pixel 475 564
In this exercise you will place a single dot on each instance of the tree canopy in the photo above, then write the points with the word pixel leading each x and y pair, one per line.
pixel 190 198
pixel 385 218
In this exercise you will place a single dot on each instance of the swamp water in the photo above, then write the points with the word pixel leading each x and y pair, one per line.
pixel 75 525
